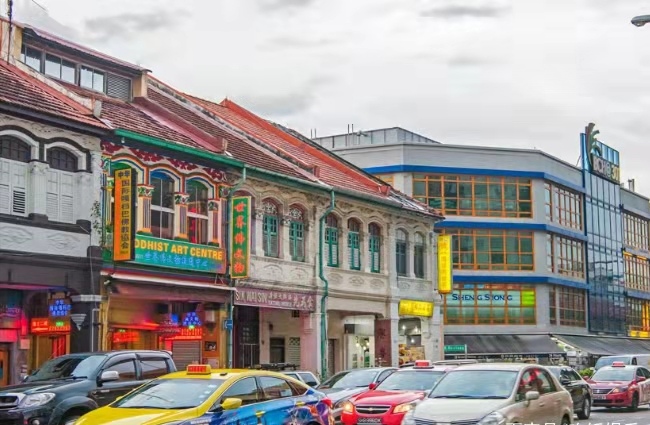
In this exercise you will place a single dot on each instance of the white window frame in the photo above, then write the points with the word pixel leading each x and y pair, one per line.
pixel 8 206
pixel 159 209
pixel 204 218
pixel 58 214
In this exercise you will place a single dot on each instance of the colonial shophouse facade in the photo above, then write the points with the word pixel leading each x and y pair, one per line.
pixel 337 257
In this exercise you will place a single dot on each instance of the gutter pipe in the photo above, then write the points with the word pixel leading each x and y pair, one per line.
pixel 323 300
pixel 231 283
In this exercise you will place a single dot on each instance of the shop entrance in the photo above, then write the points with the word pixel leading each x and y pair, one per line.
pixel 247 336
pixel 4 368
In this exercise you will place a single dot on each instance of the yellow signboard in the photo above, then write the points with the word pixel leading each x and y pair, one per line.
pixel 445 279
pixel 123 223
pixel 415 308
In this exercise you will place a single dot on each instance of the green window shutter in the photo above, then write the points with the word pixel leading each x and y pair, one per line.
pixel 375 254
pixel 332 242
pixel 353 251
pixel 297 241
pixel 270 236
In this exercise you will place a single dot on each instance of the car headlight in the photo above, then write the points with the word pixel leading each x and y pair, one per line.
pixel 340 403
pixel 494 418
pixel 619 390
pixel 403 408
pixel 35 400
pixel 409 418
pixel 348 407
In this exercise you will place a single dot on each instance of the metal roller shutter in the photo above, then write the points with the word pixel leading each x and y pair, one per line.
pixel 293 351
pixel 185 353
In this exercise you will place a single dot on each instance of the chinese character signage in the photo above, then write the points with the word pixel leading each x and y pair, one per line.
pixel 415 308
pixel 597 157
pixel 275 299
pixel 43 325
pixel 444 264
pixel 124 217
pixel 240 241
pixel 179 255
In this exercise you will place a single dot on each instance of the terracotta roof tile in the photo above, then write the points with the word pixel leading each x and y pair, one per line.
pixel 19 88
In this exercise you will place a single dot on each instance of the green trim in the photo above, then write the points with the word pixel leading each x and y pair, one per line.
pixel 166 144
pixel 216 244
pixel 142 232
pixel 181 239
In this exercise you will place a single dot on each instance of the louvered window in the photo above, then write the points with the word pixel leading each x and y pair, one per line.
pixel 401 252
pixel 60 185
pixel 118 87
pixel 374 247
pixel 418 256
pixel 332 241
pixel 14 155
pixel 296 235
pixel 353 244
pixel 270 229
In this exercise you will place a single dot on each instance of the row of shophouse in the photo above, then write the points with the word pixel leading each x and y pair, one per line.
pixel 134 215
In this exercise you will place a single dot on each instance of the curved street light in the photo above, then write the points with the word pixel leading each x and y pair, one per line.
pixel 639 21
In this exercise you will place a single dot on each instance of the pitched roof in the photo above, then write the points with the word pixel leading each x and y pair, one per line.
pixel 19 88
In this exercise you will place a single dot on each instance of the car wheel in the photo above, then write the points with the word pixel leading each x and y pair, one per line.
pixel 70 420
pixel 566 421
pixel 635 403
pixel 585 412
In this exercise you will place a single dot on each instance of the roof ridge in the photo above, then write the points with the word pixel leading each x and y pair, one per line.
pixel 329 158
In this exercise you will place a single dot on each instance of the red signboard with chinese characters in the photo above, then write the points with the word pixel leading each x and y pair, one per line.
pixel 123 336
pixel 43 325
pixel 240 241
pixel 275 299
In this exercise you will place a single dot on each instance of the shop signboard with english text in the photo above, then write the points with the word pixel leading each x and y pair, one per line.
pixel 179 255
pixel 275 299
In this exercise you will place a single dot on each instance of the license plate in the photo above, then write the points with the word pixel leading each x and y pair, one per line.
pixel 369 420
pixel 600 397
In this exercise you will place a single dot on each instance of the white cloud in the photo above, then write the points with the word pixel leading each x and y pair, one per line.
pixel 518 73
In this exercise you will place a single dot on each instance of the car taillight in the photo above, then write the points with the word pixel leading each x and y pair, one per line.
pixel 327 402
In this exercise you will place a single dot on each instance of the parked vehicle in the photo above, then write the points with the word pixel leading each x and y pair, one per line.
pixel 202 395
pixel 344 385
pixel 628 359
pixel 621 385
pixel 495 393
pixel 290 369
pixel 579 389
pixel 67 387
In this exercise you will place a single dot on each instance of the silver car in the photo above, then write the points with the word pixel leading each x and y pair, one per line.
pixel 495 394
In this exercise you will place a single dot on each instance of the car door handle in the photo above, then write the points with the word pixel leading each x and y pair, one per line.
pixel 260 413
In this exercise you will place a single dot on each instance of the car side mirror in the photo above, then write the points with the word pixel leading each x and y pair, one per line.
pixel 231 403
pixel 372 386
pixel 109 376
pixel 532 395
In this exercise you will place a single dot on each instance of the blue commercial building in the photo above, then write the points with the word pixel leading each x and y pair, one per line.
pixel 550 260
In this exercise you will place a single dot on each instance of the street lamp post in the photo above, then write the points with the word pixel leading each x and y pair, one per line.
pixel 639 21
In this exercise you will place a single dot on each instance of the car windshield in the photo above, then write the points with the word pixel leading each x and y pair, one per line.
pixel 608 361
pixel 350 379
pixel 555 371
pixel 614 374
pixel 475 384
pixel 170 394
pixel 65 367
pixel 411 381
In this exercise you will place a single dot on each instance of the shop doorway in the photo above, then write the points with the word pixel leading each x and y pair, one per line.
pixel 247 336
pixel 4 368
pixel 277 350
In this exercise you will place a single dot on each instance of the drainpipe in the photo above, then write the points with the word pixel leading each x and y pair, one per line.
pixel 231 283
pixel 323 300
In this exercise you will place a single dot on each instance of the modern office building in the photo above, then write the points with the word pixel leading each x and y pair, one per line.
pixel 549 259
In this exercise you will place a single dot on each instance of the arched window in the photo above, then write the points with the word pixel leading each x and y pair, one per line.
pixel 162 205
pixel 332 240
pixel 296 234
pixel 418 256
pixel 354 236
pixel 197 212
pixel 374 247
pixel 270 229
pixel 60 185
pixel 401 252
pixel 61 159
pixel 14 154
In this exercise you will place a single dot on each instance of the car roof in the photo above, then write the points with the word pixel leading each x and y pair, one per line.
pixel 496 366
pixel 221 374
pixel 627 366
pixel 116 352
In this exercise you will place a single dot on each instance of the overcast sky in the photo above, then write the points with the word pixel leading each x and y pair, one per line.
pixel 517 73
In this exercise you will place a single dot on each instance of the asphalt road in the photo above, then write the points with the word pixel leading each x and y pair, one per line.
pixel 600 416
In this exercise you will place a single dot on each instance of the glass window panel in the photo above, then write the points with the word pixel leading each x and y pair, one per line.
pixel 53 66
pixel 86 77
pixel 68 72
pixel 419 188
pixel 435 188
pixel 33 58
pixel 98 81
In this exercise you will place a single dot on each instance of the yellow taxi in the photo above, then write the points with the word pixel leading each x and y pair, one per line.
pixel 201 395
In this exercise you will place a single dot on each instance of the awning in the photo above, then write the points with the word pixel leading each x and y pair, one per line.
pixel 485 345
pixel 606 346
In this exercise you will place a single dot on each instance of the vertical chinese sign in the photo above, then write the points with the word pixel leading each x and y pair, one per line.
pixel 124 217
pixel 444 264
pixel 240 241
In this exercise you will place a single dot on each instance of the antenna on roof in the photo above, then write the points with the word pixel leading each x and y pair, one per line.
pixel 10 15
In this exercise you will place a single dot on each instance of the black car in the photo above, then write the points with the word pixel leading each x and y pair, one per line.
pixel 67 387
pixel 579 388
pixel 344 385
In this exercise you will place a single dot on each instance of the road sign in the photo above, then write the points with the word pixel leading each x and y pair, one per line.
pixel 227 324
pixel 456 349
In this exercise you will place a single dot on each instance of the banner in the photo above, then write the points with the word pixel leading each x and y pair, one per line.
pixel 240 241
pixel 124 217
pixel 179 255
pixel 444 264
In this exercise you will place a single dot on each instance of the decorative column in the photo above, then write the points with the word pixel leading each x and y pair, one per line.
pixel 410 259
pixel 259 233
pixel 180 215
pixel 38 187
pixel 286 239
pixel 143 219
pixel 215 214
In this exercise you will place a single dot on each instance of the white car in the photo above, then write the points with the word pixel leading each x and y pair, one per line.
pixel 495 394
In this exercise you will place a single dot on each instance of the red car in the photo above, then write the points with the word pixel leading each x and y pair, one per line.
pixel 620 385
pixel 388 402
